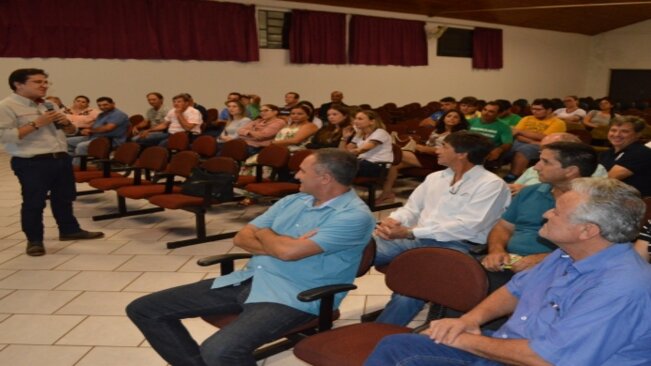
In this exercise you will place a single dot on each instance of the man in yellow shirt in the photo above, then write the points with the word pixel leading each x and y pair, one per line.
pixel 528 133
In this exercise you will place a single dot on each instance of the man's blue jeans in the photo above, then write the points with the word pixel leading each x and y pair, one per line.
pixel 402 309
pixel 420 350
pixel 158 316
pixel 37 178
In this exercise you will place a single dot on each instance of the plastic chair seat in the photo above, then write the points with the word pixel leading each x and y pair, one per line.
pixel 88 175
pixel 345 346
pixel 176 201
pixel 244 180
pixel 106 184
pixel 140 192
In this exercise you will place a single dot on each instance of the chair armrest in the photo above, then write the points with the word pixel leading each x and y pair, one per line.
pixel 327 296
pixel 323 291
pixel 226 261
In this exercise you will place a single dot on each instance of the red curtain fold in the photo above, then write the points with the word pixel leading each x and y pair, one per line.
pixel 487 48
pixel 317 38
pixel 128 29
pixel 383 41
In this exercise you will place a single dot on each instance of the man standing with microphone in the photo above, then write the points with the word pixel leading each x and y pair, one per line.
pixel 34 132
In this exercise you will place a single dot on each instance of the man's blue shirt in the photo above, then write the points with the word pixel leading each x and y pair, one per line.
pixel 594 311
pixel 344 226
pixel 526 213
pixel 116 117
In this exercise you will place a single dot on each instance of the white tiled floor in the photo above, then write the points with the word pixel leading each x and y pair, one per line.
pixel 67 308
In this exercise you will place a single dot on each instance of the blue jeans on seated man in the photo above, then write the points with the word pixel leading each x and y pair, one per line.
pixel 402 309
pixel 420 350
pixel 158 316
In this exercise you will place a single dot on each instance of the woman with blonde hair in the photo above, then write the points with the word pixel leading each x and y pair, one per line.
pixel 370 141
pixel 236 119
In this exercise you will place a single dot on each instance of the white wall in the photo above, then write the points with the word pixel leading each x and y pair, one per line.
pixel 536 64
pixel 623 48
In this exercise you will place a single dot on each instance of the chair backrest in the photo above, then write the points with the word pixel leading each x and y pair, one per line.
pixel 99 148
pixel 235 149
pixel 368 257
pixel 275 156
pixel 182 163
pixel 153 158
pixel 205 146
pixel 213 114
pixel 439 275
pixel 297 158
pixel 179 141
pixel 127 153
pixel 647 217
pixel 221 164
pixel 397 154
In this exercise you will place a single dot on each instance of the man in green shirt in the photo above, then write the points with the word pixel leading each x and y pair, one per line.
pixel 489 126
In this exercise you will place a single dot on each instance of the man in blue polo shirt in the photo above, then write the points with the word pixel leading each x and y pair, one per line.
pixel 310 239
pixel 587 303
pixel 111 122
pixel 514 243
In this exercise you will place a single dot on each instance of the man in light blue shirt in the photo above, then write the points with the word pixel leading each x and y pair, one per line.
pixel 310 239
pixel 587 303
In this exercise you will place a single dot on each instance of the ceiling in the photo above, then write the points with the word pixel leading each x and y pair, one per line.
pixel 575 16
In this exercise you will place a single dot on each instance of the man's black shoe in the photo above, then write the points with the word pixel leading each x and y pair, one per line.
pixel 35 248
pixel 81 235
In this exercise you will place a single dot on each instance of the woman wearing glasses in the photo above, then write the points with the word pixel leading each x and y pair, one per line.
pixel 261 132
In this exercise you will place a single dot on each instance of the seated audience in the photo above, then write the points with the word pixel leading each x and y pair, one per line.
pixel 628 159
pixel 111 122
pixel 468 106
pixel 183 117
pixel 530 176
pixel 514 244
pixel 451 121
pixel 506 116
pixel 447 104
pixel 528 133
pixel 259 133
pixel 331 134
pixel 598 121
pixel 571 114
pixel 154 115
pixel 315 119
pixel 291 100
pixel 81 114
pixel 216 128
pixel 488 125
pixel 236 120
pixel 370 141
pixel 454 208
pixel 252 104
pixel 306 240
pixel 587 303
pixel 336 97
pixel 298 131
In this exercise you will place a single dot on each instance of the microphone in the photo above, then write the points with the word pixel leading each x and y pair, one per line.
pixel 50 108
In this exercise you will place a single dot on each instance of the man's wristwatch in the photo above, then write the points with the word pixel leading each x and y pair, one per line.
pixel 33 124
pixel 410 235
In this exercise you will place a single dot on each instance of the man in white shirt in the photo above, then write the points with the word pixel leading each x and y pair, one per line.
pixel 183 117
pixel 454 208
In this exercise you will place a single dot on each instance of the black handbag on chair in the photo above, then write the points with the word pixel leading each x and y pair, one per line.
pixel 201 183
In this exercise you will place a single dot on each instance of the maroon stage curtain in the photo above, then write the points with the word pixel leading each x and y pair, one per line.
pixel 317 38
pixel 487 48
pixel 383 41
pixel 128 29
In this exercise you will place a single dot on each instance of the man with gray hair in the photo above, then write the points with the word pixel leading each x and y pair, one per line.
pixel 306 240
pixel 586 304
